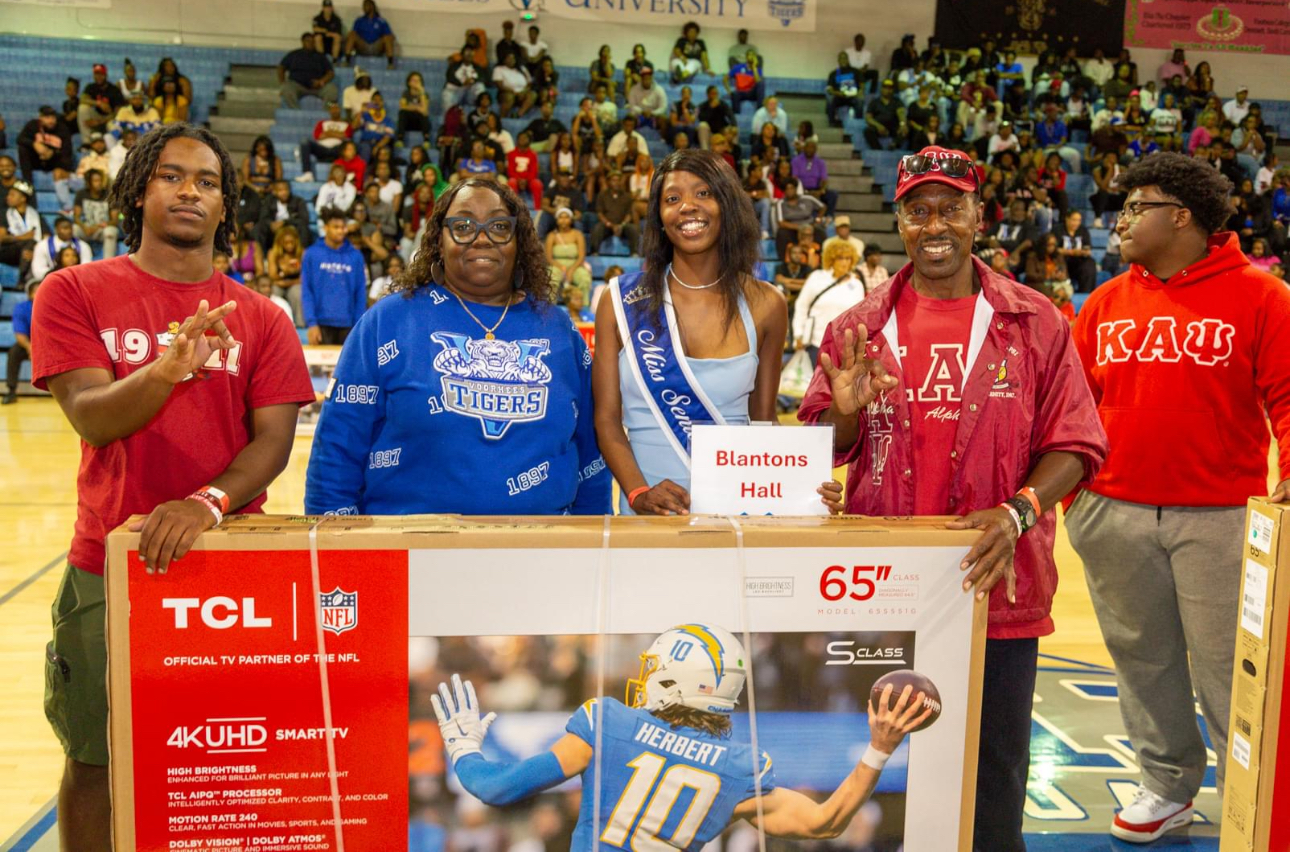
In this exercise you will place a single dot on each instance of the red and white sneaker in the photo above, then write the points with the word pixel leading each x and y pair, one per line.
pixel 1149 816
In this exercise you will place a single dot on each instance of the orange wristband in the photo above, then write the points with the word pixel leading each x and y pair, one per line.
pixel 636 492
pixel 1032 497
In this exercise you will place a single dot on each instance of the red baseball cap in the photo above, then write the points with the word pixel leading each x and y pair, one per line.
pixel 934 164
pixel 100 69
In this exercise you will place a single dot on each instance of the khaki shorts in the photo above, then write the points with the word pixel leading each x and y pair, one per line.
pixel 76 668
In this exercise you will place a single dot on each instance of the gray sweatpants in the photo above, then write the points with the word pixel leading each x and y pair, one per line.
pixel 1165 583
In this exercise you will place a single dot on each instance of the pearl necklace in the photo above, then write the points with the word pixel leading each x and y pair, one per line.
pixel 678 280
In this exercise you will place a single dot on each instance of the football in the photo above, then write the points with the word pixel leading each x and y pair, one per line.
pixel 908 677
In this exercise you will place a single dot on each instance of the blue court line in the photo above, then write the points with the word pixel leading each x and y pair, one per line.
pixel 1081 663
pixel 35 829
pixel 9 595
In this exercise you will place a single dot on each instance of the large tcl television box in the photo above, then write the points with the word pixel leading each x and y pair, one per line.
pixel 271 691
pixel 1256 798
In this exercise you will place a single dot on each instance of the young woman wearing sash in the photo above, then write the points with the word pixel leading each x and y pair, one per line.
pixel 692 338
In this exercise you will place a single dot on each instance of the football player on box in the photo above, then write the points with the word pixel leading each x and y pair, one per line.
pixel 671 777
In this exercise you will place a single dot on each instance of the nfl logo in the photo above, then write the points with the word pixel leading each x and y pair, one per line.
pixel 339 610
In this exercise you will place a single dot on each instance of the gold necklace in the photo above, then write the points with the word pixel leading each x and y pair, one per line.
pixel 488 332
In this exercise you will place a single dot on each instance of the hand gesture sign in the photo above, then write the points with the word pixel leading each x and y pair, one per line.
pixel 459 721
pixel 856 380
pixel 191 346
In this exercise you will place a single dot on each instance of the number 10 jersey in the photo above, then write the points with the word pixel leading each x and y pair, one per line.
pixel 660 788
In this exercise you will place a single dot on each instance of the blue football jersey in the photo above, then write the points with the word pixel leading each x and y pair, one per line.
pixel 659 788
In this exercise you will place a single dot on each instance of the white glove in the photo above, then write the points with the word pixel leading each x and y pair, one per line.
pixel 463 731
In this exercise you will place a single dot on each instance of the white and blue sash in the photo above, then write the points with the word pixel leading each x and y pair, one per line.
pixel 659 364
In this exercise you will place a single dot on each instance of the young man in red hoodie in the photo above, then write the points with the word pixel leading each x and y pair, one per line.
pixel 522 170
pixel 954 391
pixel 1185 354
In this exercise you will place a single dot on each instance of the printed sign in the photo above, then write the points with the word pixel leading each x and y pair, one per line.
pixel 759 470
pixel 1255 26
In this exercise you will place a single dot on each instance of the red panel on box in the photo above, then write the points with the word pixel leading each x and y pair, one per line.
pixel 230 722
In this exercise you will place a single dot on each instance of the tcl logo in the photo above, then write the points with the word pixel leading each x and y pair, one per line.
pixel 218 612
pixel 845 653
pixel 859 582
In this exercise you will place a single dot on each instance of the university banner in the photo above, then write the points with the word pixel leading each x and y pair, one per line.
pixel 1028 26
pixel 794 15
pixel 77 4
pixel 272 691
pixel 1255 26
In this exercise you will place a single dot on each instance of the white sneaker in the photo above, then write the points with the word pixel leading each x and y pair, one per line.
pixel 1149 816
pixel 305 177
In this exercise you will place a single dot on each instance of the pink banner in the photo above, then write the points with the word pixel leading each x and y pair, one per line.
pixel 1255 26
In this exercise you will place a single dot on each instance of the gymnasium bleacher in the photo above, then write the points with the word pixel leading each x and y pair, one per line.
pixel 235 93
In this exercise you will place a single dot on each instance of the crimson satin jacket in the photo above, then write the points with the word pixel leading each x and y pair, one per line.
pixel 1025 395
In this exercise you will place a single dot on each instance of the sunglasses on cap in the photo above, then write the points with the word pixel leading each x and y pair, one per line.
pixel 953 167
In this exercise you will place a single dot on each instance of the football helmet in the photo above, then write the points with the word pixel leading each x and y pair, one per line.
pixel 695 665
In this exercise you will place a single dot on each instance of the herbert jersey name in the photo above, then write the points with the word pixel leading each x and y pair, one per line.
pixel 677 745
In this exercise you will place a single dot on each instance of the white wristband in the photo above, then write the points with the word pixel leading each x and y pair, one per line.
pixel 875 759
pixel 1015 517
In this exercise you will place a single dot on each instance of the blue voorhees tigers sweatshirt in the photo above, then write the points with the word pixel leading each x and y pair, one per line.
pixel 333 285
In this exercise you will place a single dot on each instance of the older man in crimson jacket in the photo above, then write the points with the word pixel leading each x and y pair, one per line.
pixel 953 390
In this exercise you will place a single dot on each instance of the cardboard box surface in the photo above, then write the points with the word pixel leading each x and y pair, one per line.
pixel 1256 800
pixel 504 556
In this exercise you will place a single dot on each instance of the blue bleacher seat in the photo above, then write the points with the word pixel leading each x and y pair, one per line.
pixel 9 300
pixel 615 247
pixel 24 372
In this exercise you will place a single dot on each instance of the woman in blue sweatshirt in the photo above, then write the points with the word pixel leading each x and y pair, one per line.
pixel 468 391
pixel 333 283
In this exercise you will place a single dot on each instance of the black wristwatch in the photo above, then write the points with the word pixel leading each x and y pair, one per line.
pixel 1025 511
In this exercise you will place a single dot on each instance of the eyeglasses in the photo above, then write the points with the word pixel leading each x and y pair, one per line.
pixel 1134 209
pixel 500 230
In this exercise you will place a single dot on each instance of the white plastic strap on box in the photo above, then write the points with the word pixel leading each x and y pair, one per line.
pixel 326 688
pixel 602 654
pixel 741 563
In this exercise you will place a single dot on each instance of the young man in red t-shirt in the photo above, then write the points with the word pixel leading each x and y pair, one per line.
pixel 953 391
pixel 1186 356
pixel 184 412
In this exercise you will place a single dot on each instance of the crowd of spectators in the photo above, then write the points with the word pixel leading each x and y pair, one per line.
pixel 382 161
pixel 1030 130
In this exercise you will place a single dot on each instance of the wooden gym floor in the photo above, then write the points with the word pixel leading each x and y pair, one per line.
pixel 39 455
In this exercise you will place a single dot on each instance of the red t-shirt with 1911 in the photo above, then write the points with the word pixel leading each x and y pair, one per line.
pixel 934 335
pixel 114 316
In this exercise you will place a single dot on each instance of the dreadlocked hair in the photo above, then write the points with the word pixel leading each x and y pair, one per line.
pixel 681 716
pixel 131 184
pixel 1196 185
pixel 532 272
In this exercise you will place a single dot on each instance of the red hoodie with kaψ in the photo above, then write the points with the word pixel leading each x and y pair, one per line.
pixel 1186 374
